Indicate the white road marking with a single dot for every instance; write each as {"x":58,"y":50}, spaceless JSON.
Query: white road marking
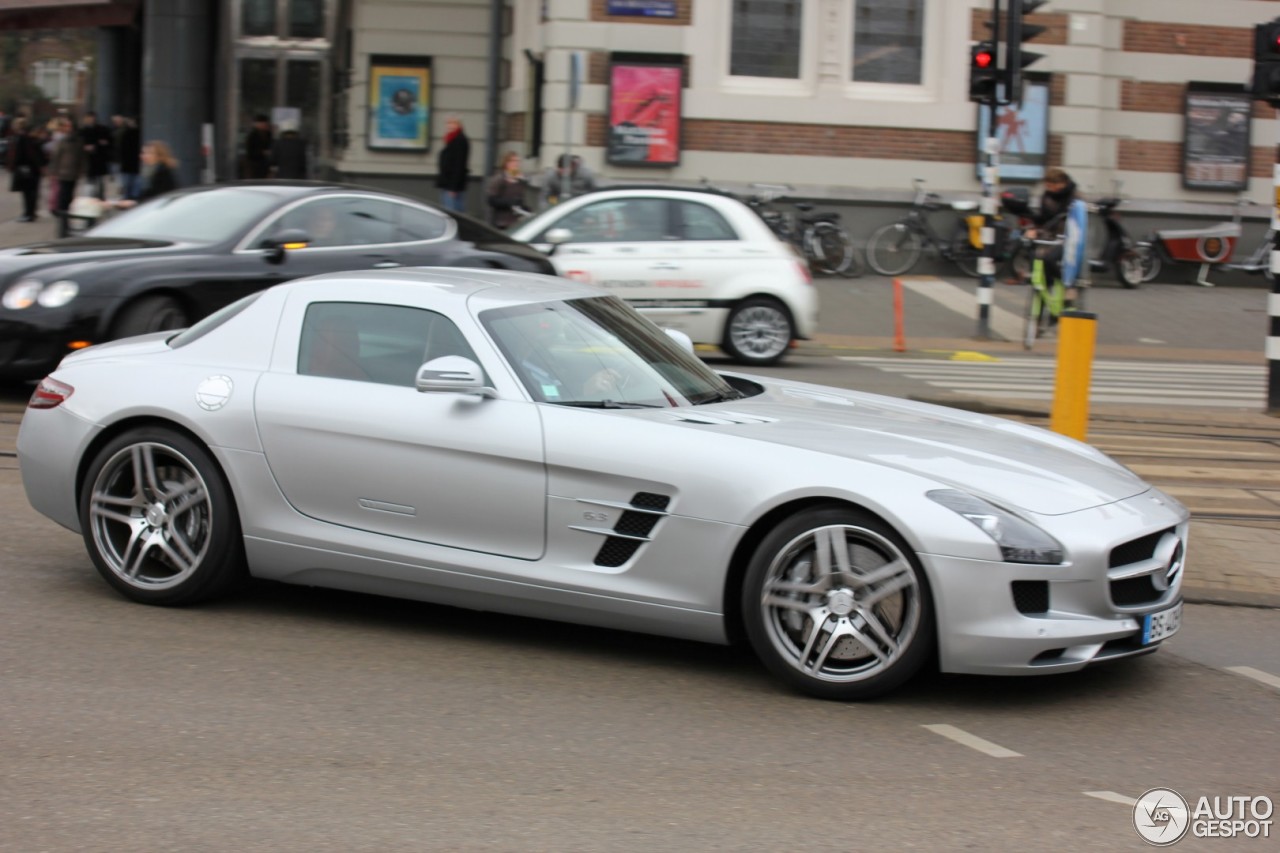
{"x":1257,"y":675}
{"x":973,"y":741}
{"x":1111,"y":797}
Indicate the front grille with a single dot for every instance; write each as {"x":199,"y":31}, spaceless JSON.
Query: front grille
{"x":1138,"y":549}
{"x":1132,"y":592}
{"x":1031,"y":597}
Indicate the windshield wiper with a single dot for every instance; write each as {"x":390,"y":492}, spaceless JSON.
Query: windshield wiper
{"x":721,"y":397}
{"x":605,"y":404}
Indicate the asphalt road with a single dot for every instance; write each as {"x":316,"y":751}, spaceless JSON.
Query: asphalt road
{"x":296,"y":719}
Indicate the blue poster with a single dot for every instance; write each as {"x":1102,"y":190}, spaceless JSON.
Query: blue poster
{"x":643,"y":8}
{"x":1022,"y":132}
{"x":399,"y":106}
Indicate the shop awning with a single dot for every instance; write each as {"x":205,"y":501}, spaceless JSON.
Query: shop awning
{"x":66,"y":14}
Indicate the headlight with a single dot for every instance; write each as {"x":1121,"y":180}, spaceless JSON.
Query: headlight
{"x":1020,"y":541}
{"x":58,"y":294}
{"x":22,"y":295}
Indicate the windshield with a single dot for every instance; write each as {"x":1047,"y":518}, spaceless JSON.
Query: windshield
{"x":600,"y":352}
{"x":201,"y":217}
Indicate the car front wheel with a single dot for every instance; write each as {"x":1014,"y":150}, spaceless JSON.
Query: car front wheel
{"x":837,"y":605}
{"x":759,"y":331}
{"x":159,"y":521}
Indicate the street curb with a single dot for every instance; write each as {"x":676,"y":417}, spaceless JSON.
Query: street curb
{"x":1230,"y":598}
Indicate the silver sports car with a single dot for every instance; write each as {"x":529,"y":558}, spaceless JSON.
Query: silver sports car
{"x":518,"y":443}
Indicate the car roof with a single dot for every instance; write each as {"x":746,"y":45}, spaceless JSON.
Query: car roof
{"x":409,"y":284}
{"x":286,"y":190}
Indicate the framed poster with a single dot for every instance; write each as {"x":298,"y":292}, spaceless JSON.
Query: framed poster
{"x":642,"y":8}
{"x":1215,"y":137}
{"x":1022,"y":131}
{"x":644,"y":114}
{"x":399,"y":103}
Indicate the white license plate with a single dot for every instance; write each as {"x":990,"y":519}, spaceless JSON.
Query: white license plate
{"x":1162,"y":625}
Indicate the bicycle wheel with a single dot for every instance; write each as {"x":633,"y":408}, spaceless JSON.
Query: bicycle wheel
{"x":830,"y":247}
{"x":893,"y":249}
{"x":963,"y":253}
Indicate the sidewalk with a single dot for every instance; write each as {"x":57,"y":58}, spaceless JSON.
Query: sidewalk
{"x":1231,"y":563}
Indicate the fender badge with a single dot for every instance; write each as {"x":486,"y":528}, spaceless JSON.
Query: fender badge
{"x":213,"y":393}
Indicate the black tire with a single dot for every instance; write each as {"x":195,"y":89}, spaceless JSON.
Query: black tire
{"x":857,"y":266}
{"x":759,"y":331}
{"x":876,"y":626}
{"x":159,"y":520}
{"x":148,"y":314}
{"x":894,"y":249}
{"x":830,"y":248}
{"x":963,"y":254}
{"x":1150,"y":261}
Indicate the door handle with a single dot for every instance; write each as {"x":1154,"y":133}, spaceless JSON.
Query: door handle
{"x":664,"y":265}
{"x":386,"y":265}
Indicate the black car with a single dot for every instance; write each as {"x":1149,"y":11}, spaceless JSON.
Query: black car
{"x":169,"y":262}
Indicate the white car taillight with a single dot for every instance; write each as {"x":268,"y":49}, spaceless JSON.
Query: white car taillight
{"x":804,"y":272}
{"x":49,"y":394}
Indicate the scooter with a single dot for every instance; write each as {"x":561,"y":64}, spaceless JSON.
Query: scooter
{"x":1209,"y":246}
{"x":1120,"y":252}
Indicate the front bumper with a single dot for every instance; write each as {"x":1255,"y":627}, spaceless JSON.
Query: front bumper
{"x":1017,"y":619}
{"x":34,"y":340}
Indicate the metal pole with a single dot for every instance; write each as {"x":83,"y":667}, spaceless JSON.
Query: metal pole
{"x":491,"y":89}
{"x":1273,"y":299}
{"x":990,"y":179}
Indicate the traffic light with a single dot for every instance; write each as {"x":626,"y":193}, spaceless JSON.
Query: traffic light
{"x":984,"y":75}
{"x":1266,"y":63}
{"x":1016,"y":58}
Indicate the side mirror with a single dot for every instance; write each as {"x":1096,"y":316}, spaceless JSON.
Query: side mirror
{"x":290,"y":238}
{"x":453,"y":374}
{"x":685,"y":342}
{"x":558,"y":237}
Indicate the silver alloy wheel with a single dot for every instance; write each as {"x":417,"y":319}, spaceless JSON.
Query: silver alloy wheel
{"x":841,"y":603}
{"x":151,"y":516}
{"x":760,"y":331}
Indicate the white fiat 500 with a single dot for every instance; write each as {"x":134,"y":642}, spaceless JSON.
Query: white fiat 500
{"x":695,"y":261}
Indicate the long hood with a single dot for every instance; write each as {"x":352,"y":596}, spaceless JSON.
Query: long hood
{"x":81,"y":250}
{"x":1011,"y":464}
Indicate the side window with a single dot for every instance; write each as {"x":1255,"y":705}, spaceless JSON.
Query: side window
{"x":618,"y":220}
{"x":415,"y":223}
{"x":342,"y":221}
{"x":700,"y":222}
{"x":375,"y":343}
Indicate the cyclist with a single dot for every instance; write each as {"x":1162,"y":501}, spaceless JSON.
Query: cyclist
{"x":1050,"y":222}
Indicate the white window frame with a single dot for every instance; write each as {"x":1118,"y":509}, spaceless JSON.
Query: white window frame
{"x":67,"y":76}
{"x":803,"y":85}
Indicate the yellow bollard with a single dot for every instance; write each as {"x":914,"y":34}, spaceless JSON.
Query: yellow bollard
{"x":1077,"y":331}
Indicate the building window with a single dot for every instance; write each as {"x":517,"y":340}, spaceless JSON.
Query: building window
{"x":57,"y":78}
{"x":293,"y":19}
{"x":766,"y":38}
{"x":888,"y":41}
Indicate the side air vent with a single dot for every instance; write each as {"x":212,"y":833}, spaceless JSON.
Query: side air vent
{"x":632,"y":529}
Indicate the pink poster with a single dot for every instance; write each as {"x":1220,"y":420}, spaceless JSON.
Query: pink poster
{"x":644,"y":115}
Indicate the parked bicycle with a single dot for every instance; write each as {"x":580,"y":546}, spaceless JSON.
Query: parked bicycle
{"x":896,"y":248}
{"x":818,"y":237}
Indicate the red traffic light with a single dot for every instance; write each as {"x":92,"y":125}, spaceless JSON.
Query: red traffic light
{"x":983,"y":59}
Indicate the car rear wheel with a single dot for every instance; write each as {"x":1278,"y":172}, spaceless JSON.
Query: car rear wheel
{"x":759,"y":331}
{"x":151,"y":314}
{"x":159,"y":521}
{"x":837,"y":605}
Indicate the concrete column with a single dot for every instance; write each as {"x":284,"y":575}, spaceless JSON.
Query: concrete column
{"x":177,"y":75}
{"x":117,"y":84}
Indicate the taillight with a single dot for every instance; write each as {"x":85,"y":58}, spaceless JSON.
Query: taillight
{"x":805,"y":273}
{"x":49,"y":393}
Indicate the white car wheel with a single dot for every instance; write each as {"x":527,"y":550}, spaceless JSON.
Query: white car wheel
{"x":836,"y":604}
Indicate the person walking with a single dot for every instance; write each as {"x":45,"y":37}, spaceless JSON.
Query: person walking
{"x":289,"y":156}
{"x":96,"y":140}
{"x":26,"y":162}
{"x":257,"y":148}
{"x":451,"y":167}
{"x":66,"y":164}
{"x":506,"y":193}
{"x":569,"y":178}
{"x":128,"y":148}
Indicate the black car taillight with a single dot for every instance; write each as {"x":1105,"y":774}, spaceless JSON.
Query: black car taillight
{"x":49,"y":394}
